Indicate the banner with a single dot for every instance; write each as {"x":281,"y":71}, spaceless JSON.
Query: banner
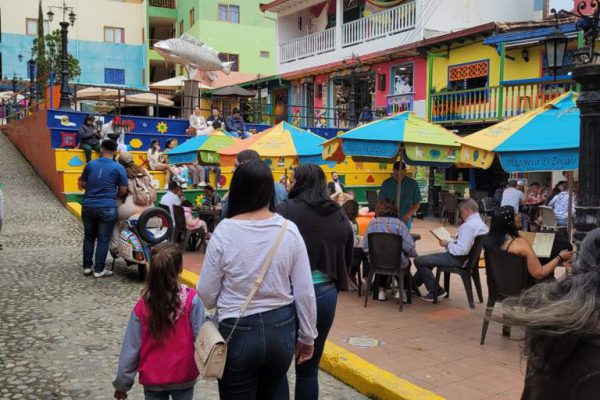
{"x":547,"y":160}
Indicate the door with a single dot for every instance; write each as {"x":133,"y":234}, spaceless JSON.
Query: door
{"x":309,"y":92}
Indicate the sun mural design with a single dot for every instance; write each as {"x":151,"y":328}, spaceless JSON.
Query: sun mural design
{"x":162,"y":127}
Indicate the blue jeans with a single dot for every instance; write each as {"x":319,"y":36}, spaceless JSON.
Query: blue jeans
{"x":217,"y":175}
{"x":243,"y":135}
{"x":181,"y":394}
{"x":307,"y":373}
{"x":258,"y":355}
{"x":98,"y":224}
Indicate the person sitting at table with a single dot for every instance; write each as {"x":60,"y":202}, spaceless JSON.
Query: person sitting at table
{"x":387,"y":221}
{"x":410,"y":195}
{"x":192,"y":222}
{"x":504,"y":236}
{"x":172,"y":197}
{"x":235,"y":125}
{"x":457,"y":251}
{"x":350,"y":208}
{"x":211,"y":198}
{"x":198,"y":123}
{"x":513,"y":197}
{"x":560,"y":205}
{"x":534,"y":195}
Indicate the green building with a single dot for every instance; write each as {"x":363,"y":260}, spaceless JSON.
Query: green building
{"x":236,"y":28}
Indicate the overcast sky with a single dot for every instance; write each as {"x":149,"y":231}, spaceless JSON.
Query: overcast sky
{"x":561,"y":4}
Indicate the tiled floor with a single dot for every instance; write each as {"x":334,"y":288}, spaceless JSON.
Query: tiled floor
{"x":433,"y":346}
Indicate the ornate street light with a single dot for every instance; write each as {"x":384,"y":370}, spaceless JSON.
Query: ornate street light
{"x":555,"y":45}
{"x":587,"y":75}
{"x":65,"y":102}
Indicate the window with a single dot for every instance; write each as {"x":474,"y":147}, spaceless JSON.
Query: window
{"x":229,"y":13}
{"x":181,"y":27}
{"x":114,"y":35}
{"x":32,"y":25}
{"x":231,"y":57}
{"x":568,"y":64}
{"x":471,"y":75}
{"x":403,"y":79}
{"x":192,"y":21}
{"x":114,"y":76}
{"x":265,"y":54}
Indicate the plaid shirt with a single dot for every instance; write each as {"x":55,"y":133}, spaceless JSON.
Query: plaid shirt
{"x":396,"y":226}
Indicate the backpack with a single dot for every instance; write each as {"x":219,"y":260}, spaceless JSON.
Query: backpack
{"x":142,"y":190}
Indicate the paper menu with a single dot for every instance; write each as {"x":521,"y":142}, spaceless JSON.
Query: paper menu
{"x":442,"y":234}
{"x":540,"y":241}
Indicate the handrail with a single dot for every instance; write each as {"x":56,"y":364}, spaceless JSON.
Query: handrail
{"x":306,"y":46}
{"x":163,"y":3}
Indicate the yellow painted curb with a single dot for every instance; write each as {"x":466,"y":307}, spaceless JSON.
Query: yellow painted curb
{"x":357,"y":372}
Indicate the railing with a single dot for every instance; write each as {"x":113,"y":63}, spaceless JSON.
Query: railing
{"x":494,"y":103}
{"x":163,"y":3}
{"x":307,"y":46}
{"x":399,"y":103}
{"x":383,"y":23}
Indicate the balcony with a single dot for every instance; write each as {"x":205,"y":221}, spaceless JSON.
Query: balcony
{"x":397,"y":103}
{"x":307,"y":46}
{"x":492,"y":104}
{"x":163,"y":3}
{"x":376,"y":32}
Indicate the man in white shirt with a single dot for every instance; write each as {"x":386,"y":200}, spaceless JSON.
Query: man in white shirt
{"x":514,"y":197}
{"x":172,"y":198}
{"x":457,"y":251}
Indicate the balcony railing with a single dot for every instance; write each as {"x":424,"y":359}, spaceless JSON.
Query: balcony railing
{"x":399,"y":103}
{"x":313,"y":44}
{"x":383,"y":23}
{"x":163,"y":3}
{"x":494,"y":103}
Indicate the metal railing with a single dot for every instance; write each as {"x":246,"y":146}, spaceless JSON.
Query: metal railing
{"x":494,"y":103}
{"x":399,"y":103}
{"x":310,"y":45}
{"x":163,"y":3}
{"x":380,"y":24}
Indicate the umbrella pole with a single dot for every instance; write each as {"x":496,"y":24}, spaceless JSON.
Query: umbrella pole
{"x":399,"y":183}
{"x":570,"y":210}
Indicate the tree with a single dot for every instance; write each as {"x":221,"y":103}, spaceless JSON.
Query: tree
{"x":52,"y":56}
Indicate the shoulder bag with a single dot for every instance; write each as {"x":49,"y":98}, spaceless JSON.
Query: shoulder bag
{"x":211,"y":348}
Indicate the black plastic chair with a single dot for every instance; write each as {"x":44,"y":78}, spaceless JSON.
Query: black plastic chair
{"x":385,"y":258}
{"x":506,"y":277}
{"x":468,"y":273}
{"x":372,"y":199}
{"x":449,"y":208}
{"x":182,"y":234}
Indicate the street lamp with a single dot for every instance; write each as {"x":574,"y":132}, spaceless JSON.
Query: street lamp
{"x":555,"y":45}
{"x":65,"y":102}
{"x":587,"y":75}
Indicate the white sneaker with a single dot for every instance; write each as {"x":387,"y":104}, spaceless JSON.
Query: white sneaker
{"x":381,"y":296}
{"x":397,"y":296}
{"x":104,"y":274}
{"x":184,"y":185}
{"x":87,"y":271}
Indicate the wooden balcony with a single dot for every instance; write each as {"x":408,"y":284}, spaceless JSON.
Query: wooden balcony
{"x":491,"y":104}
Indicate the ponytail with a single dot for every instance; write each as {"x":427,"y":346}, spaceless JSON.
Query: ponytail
{"x":161,"y":291}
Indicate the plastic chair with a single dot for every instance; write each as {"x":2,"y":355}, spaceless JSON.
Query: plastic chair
{"x":470,"y":271}
{"x":449,"y":207}
{"x":549,"y":219}
{"x":372,"y":199}
{"x":182,"y":234}
{"x":385,"y":258}
{"x":506,"y":277}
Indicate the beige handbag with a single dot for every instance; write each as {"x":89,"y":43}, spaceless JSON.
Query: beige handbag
{"x":211,"y":348}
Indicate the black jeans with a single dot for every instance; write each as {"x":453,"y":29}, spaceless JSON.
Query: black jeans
{"x":259,"y":354}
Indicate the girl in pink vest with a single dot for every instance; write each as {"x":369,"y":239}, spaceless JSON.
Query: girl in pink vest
{"x":160,"y":335}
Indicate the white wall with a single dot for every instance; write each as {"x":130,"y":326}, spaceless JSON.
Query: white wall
{"x":92,"y":17}
{"x":288,"y":26}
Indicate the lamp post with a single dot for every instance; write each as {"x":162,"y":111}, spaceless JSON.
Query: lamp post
{"x":587,"y":75}
{"x":65,"y":102}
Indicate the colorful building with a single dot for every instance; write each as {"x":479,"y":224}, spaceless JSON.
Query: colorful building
{"x":236,"y":28}
{"x":108,"y":44}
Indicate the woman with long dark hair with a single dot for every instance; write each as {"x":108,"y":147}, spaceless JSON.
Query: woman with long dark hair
{"x":330,"y":244}
{"x":504,"y":236}
{"x":263,"y":344}
{"x":157,"y":162}
{"x":561,"y":319}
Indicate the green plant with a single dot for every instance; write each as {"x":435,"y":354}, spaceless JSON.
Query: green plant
{"x":50,"y":46}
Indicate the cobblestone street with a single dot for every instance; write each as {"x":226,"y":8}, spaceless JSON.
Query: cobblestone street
{"x":60,"y":332}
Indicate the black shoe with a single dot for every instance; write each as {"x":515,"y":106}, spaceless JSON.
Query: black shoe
{"x":429,"y":296}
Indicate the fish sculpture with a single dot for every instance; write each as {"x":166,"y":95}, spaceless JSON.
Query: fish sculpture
{"x":194,"y":54}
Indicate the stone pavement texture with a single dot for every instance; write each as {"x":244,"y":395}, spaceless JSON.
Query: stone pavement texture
{"x":434,"y":346}
{"x":60,"y":332}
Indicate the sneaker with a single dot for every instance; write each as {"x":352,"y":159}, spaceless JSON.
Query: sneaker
{"x":397,"y":296}
{"x":104,"y":274}
{"x":184,"y":185}
{"x":87,"y":271}
{"x":201,"y":184}
{"x":429,"y":296}
{"x":381,"y":296}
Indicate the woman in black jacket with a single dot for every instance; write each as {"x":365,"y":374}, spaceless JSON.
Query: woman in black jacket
{"x":330,"y":245}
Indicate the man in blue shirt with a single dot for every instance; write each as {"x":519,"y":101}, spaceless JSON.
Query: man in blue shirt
{"x":103,"y":180}
{"x":410,"y":194}
{"x":235,"y":125}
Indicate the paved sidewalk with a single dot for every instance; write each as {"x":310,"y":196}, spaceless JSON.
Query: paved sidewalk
{"x":60,"y":332}
{"x":433,"y":346}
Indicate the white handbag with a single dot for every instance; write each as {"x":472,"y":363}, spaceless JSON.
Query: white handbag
{"x":211,"y":348}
